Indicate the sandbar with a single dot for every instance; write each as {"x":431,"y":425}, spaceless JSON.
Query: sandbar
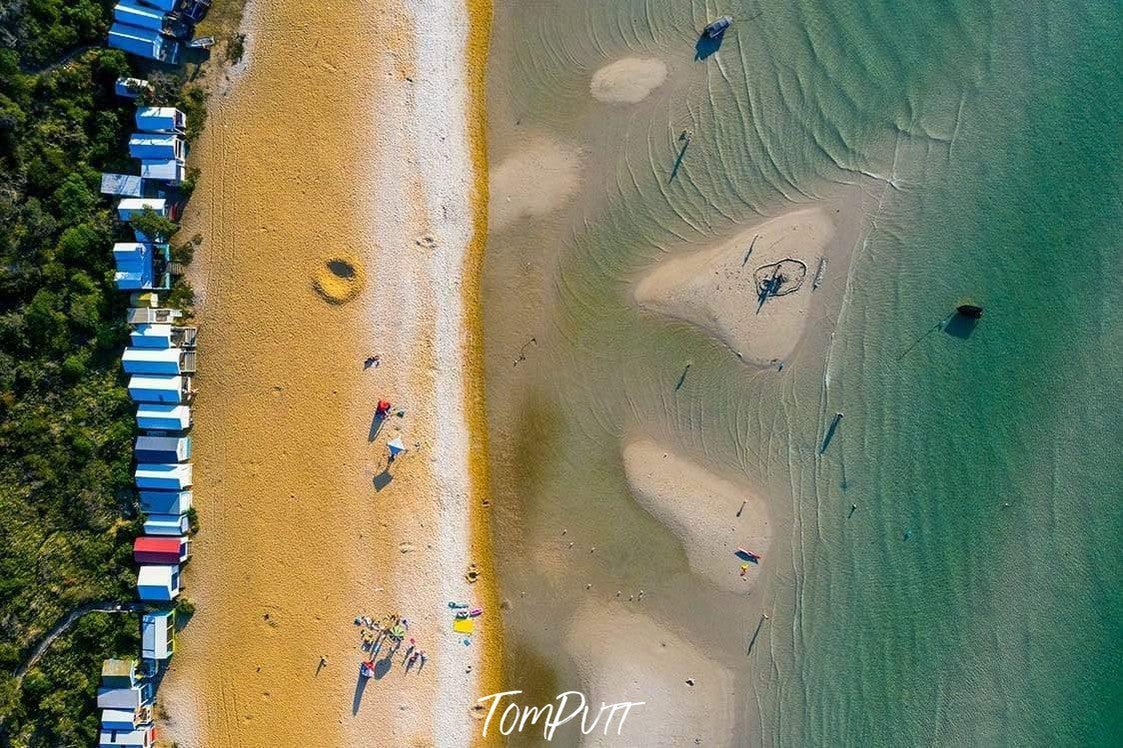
{"x":701,"y":509}
{"x":719,"y":288}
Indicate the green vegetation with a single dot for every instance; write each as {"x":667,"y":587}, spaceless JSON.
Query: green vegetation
{"x":68,"y":510}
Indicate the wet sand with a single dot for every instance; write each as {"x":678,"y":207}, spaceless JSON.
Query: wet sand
{"x":304,"y":524}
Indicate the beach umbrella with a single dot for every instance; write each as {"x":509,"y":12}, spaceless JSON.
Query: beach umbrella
{"x":396,"y":446}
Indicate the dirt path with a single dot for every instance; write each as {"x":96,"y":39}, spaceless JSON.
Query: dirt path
{"x":70,"y":619}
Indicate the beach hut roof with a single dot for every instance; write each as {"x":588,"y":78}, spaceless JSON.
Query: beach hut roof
{"x":163,"y":169}
{"x":138,"y":15}
{"x":165,"y":475}
{"x":165,"y":502}
{"x":160,"y":388}
{"x":129,"y":205}
{"x":141,"y":736}
{"x":147,"y":544}
{"x":163,"y":416}
{"x":151,"y":355}
{"x":119,"y":668}
{"x":160,"y":119}
{"x":122,"y":184}
{"x":130,"y":697}
{"x":172,"y":525}
{"x":151,"y":336}
{"x":158,"y":582}
{"x":157,"y":632}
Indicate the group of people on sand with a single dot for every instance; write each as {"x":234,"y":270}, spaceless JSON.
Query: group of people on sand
{"x":389,"y":631}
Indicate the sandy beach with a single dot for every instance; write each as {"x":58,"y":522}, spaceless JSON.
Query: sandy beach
{"x":339,"y":206}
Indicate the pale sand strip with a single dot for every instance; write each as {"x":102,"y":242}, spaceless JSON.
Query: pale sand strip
{"x":324,"y":149}
{"x":623,"y":655}
{"x":715,"y":288}
{"x":703,"y":511}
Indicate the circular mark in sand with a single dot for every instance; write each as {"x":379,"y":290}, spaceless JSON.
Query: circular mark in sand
{"x":628,"y":81}
{"x":339,"y":279}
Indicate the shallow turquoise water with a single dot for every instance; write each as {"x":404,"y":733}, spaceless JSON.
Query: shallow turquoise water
{"x":987,"y":142}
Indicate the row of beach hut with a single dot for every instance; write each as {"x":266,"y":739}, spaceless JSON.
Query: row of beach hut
{"x":160,"y":363}
{"x":139,"y":29}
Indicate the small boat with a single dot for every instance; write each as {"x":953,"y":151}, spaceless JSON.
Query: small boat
{"x":714,"y":29}
{"x":970,"y":311}
{"x":456,"y":606}
{"x":203,"y":42}
{"x":476,"y":612}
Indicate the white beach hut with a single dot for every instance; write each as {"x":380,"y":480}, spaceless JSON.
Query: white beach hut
{"x":157,"y":635}
{"x":150,"y":448}
{"x":125,"y":719}
{"x":160,"y":119}
{"x":158,"y":389}
{"x":129,"y":698}
{"x":130,"y":88}
{"x":159,"y":583}
{"x":163,"y":476}
{"x":163,"y":417}
{"x":146,"y":43}
{"x":166,"y":525}
{"x":127,"y":207}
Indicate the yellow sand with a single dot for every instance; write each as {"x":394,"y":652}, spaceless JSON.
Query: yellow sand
{"x":297,"y":539}
{"x":715,"y":287}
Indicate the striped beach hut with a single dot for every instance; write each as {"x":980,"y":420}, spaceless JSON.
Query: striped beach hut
{"x":163,"y":476}
{"x":163,"y":417}
{"x":158,"y":389}
{"x":158,"y":583}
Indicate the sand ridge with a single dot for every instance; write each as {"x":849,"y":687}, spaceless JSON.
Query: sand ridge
{"x":628,"y":81}
{"x":532,"y":182}
{"x":703,"y":510}
{"x":689,"y":696}
{"x":717,"y":288}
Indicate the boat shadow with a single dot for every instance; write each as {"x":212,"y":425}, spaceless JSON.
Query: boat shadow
{"x":960,"y":326}
{"x":707,"y":45}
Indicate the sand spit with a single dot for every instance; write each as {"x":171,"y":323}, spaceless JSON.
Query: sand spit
{"x":305,"y":525}
{"x":532,"y":182}
{"x":702,"y":510}
{"x":718,"y":288}
{"x":628,"y":81}
{"x":622,"y":655}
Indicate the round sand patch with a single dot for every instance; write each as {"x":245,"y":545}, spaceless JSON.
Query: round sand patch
{"x":628,"y":81}
{"x":339,"y":279}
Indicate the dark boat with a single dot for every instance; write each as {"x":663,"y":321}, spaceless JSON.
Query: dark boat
{"x":970,"y":311}
{"x":714,"y":29}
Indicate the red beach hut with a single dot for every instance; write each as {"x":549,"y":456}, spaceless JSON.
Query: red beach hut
{"x":160,"y":550}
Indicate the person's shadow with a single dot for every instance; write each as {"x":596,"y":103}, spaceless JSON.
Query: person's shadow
{"x":358,"y":699}
{"x":707,"y":45}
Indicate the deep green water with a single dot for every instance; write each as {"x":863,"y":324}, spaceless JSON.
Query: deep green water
{"x":987,"y":140}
